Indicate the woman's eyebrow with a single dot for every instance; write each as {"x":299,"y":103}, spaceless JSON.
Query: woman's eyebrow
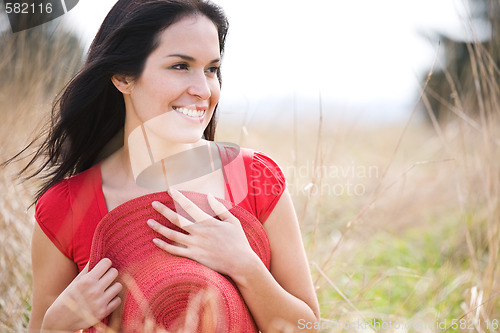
{"x":189,"y":58}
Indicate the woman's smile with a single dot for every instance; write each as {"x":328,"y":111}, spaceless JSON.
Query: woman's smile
{"x":191,"y":111}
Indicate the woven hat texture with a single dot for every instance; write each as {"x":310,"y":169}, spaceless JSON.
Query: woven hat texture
{"x":164,"y":292}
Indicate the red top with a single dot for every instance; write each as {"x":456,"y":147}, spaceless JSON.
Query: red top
{"x":69,"y":211}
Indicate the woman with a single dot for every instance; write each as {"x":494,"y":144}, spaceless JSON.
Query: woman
{"x":154,"y":62}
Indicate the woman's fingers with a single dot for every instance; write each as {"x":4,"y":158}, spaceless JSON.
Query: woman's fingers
{"x":91,"y":296}
{"x":175,"y":236}
{"x":105,"y":276}
{"x":199,"y":237}
{"x":210,"y":242}
{"x":113,"y":290}
{"x":191,"y":208}
{"x":219,"y":209}
{"x":109,"y":277}
{"x":100,"y":268}
{"x":172,"y":249}
{"x":172,"y":216}
{"x":113,"y":305}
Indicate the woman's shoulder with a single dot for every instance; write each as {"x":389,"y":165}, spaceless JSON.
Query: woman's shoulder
{"x":80,"y":179}
{"x":251,"y":157}
{"x":256,"y":180}
{"x":57,"y":212}
{"x":58,"y":198}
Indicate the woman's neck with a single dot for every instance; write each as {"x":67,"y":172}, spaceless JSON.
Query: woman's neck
{"x":148,"y":156}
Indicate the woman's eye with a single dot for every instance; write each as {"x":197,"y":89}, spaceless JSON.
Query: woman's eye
{"x":181,"y":66}
{"x":212,"y":70}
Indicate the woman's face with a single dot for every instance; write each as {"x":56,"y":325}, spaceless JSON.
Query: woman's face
{"x":178,"y":90}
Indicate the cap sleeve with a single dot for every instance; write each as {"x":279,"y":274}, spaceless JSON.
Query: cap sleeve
{"x":267,"y":184}
{"x":54,"y":215}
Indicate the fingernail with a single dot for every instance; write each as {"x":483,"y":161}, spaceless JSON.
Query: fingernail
{"x":151,"y":223}
{"x":155,"y":204}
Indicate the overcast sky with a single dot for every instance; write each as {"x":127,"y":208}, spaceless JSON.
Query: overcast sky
{"x":361,"y":54}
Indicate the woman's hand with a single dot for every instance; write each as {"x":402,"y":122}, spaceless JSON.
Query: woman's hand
{"x":88,"y":299}
{"x":218,"y":245}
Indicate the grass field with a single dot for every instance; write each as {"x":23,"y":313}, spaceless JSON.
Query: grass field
{"x":401,"y":223}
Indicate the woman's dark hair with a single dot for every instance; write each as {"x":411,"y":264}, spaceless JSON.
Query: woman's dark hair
{"x":90,"y":112}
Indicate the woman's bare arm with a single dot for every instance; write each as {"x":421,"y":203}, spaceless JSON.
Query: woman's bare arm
{"x":64,"y":300}
{"x":52,"y":273}
{"x":285,"y":297}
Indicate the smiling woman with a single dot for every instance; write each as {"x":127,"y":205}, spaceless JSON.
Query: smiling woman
{"x":188,"y":248}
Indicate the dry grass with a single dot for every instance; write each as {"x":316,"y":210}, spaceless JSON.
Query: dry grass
{"x":400,"y":224}
{"x":27,"y":87}
{"x":414,"y":246}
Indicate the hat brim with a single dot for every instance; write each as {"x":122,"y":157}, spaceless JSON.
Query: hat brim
{"x":160,"y":288}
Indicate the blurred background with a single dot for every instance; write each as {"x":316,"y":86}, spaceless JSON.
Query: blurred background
{"x":384,"y":117}
{"x":366,"y":58}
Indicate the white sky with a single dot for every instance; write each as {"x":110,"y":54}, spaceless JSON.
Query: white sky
{"x":358,"y":53}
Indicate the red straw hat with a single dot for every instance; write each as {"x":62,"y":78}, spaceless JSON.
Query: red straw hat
{"x":166,"y":292}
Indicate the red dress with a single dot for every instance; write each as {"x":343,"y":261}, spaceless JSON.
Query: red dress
{"x":69,"y":211}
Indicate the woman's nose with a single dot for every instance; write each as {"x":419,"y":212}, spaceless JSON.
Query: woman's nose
{"x":199,"y":86}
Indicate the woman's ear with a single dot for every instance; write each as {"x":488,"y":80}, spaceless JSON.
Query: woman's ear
{"x":123,"y":83}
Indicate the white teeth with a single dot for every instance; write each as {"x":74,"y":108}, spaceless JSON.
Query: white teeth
{"x":190,"y":113}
